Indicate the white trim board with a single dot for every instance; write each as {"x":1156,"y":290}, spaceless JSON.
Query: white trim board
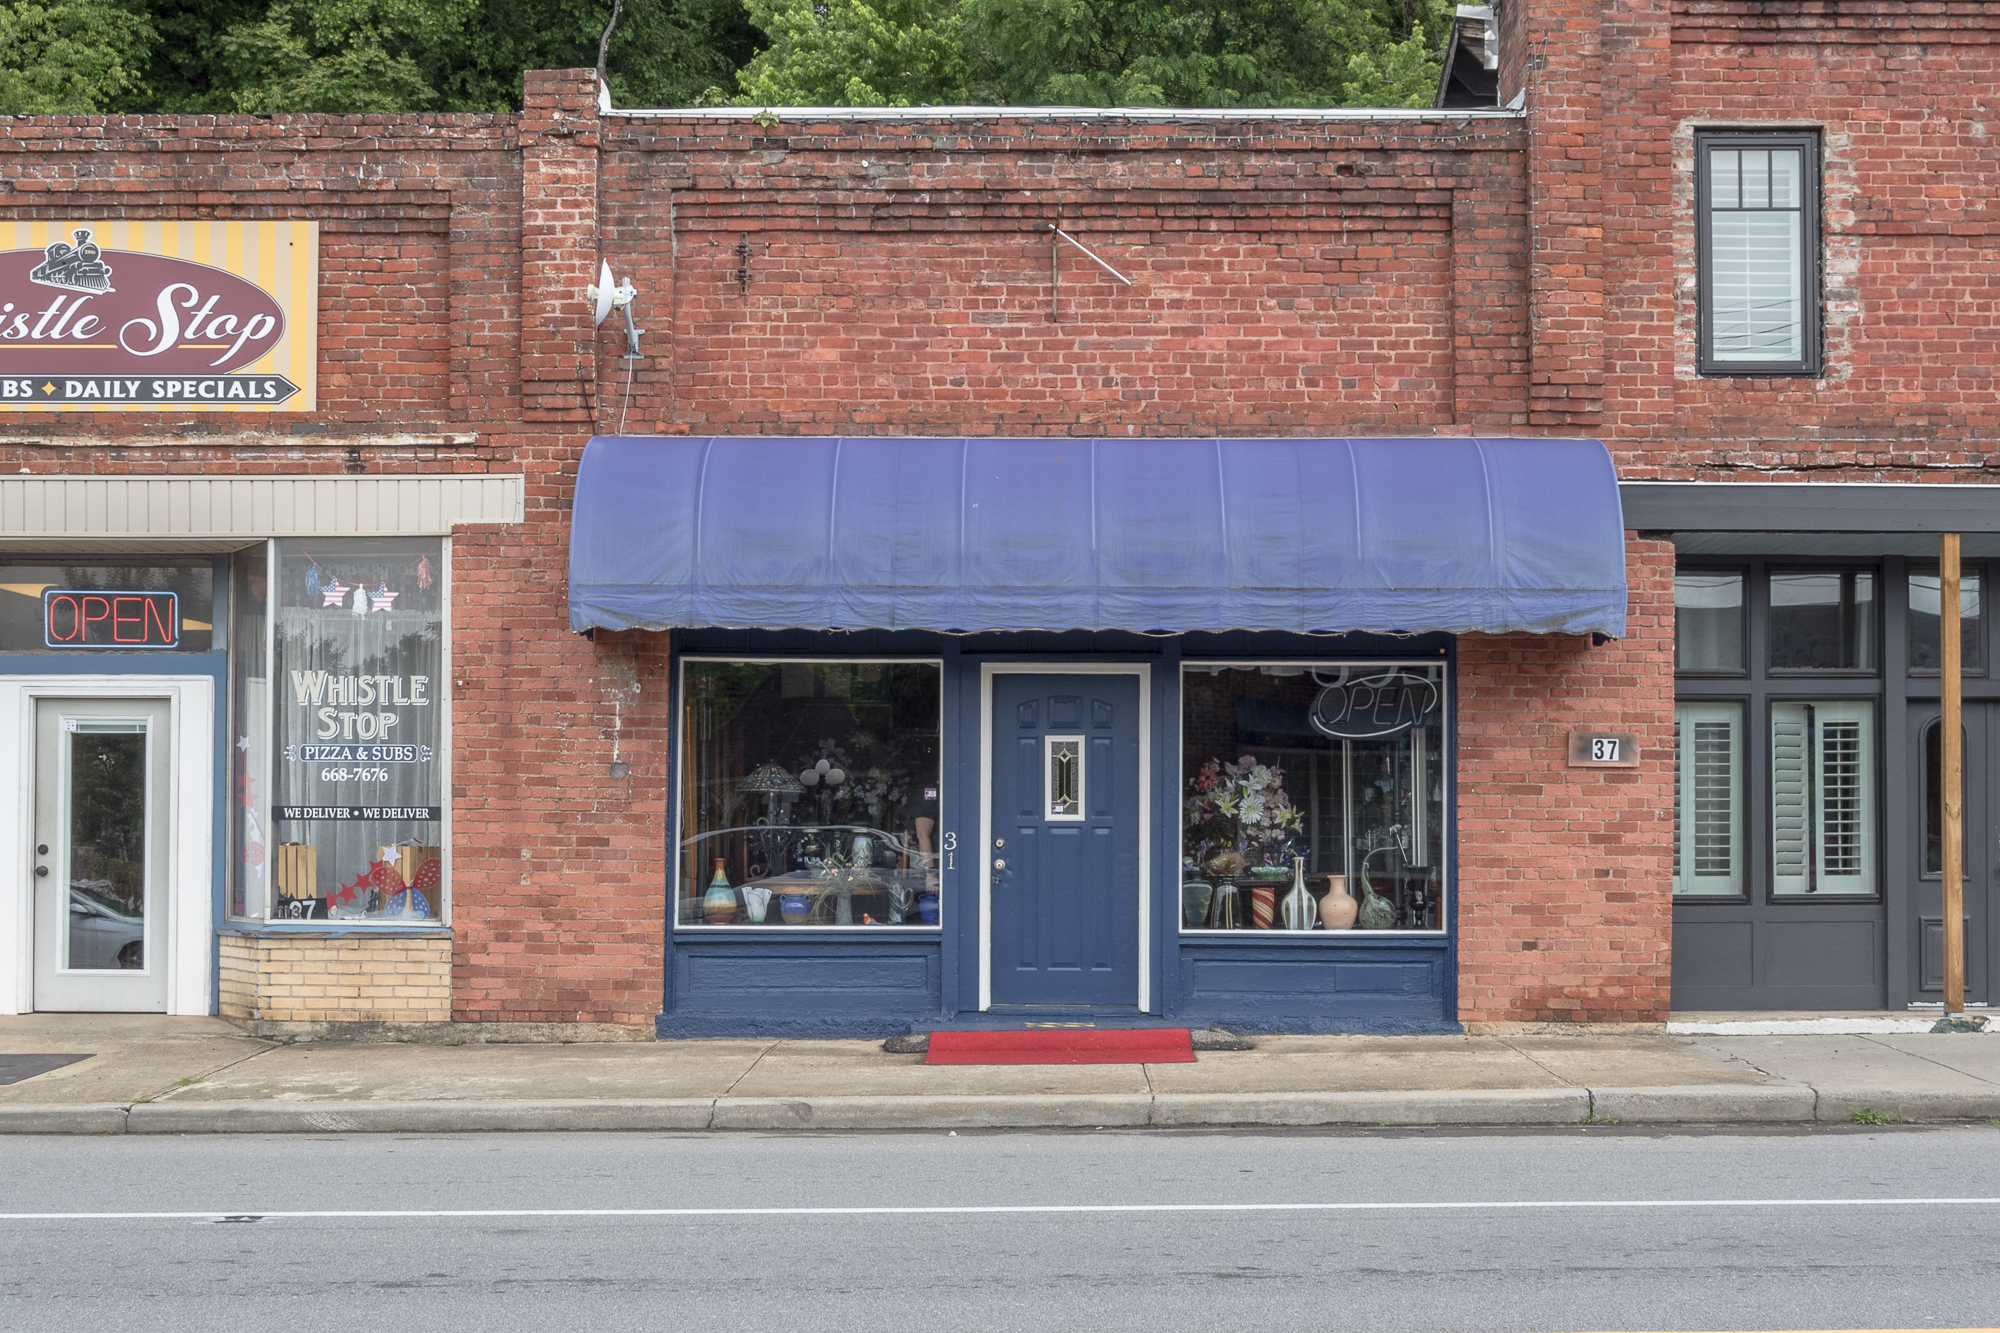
{"x":190,"y":916}
{"x":1144,"y":671}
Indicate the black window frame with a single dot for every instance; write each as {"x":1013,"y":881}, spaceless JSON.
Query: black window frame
{"x":1760,"y":686}
{"x":1810,"y":364}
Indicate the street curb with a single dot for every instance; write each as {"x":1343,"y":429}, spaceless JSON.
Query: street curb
{"x":63,"y":1118}
{"x":998,"y":1111}
{"x":1463,"y":1106}
{"x":416,"y":1117}
{"x":1898,"y":1104}
{"x":1711,"y":1103}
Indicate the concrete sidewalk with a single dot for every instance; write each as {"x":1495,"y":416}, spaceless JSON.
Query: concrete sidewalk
{"x":159,"y":1075}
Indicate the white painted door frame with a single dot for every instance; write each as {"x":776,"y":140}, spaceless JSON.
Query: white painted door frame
{"x":189,"y":916}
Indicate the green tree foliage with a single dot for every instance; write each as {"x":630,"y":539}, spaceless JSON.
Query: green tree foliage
{"x":70,"y":57}
{"x":855,"y":53}
{"x":468,"y":55}
{"x":1198,"y":53}
{"x":423,"y":55}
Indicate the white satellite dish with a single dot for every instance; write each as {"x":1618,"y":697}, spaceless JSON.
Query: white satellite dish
{"x":606,"y":296}
{"x":603,"y":296}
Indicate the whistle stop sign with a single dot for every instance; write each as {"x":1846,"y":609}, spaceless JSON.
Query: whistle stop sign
{"x":87,"y":618}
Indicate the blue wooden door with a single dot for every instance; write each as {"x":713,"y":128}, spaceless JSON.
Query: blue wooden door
{"x":1064,"y":882}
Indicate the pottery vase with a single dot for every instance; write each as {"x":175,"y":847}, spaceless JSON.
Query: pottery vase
{"x":794,"y":908}
{"x":1226,"y":914}
{"x":1298,"y":910}
{"x":927,"y":908}
{"x":1376,"y":912}
{"x":1263,"y":906}
{"x":1337,"y":907}
{"x":718,"y":905}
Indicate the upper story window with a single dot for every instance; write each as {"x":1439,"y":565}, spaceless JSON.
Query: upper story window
{"x":1757,"y":246}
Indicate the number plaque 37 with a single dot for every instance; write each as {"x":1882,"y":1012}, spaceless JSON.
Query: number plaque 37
{"x":1603,"y":749}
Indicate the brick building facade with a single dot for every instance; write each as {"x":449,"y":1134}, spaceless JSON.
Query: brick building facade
{"x":1528,"y":274}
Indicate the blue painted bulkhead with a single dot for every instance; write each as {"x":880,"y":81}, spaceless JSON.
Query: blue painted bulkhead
{"x":860,"y":983}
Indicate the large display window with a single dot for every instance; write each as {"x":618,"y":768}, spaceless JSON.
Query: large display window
{"x":339,"y":703}
{"x":809,"y":794}
{"x":1313,"y":796}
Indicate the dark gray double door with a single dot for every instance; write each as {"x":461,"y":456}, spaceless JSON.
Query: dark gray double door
{"x":1921,"y":881}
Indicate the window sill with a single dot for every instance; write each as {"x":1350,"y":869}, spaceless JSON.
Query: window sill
{"x":384,"y":930}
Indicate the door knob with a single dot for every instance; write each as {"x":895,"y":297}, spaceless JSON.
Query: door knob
{"x":41,"y":871}
{"x":999,"y":865}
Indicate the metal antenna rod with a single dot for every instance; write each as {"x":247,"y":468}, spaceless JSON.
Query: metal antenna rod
{"x":1087,"y":250}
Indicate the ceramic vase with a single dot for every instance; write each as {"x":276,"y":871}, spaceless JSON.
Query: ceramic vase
{"x":1298,"y":910}
{"x":1226,"y":914}
{"x":1337,"y":907}
{"x":1263,"y":906}
{"x":794,"y":907}
{"x":719,"y":903}
{"x":927,"y":908}
{"x":756,"y":902}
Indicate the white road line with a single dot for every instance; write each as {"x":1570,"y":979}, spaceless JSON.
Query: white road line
{"x":1467,"y":1205}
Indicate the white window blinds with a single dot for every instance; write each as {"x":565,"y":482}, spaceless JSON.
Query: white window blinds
{"x":1823,"y":814}
{"x":1756,"y":254}
{"x":1708,"y":798}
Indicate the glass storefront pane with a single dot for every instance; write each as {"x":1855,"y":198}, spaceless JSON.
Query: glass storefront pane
{"x":809,"y":794}
{"x":1340,"y":766}
{"x":357,"y":818}
{"x":1708,"y":798}
{"x":1708,"y":621}
{"x":250,"y":736}
{"x":1823,"y":620}
{"x":1824,"y":812}
{"x":107,"y":843}
{"x":1926,"y":604}
{"x":84,"y":607}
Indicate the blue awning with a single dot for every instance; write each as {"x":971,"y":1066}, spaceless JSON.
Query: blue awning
{"x":1395,"y":535}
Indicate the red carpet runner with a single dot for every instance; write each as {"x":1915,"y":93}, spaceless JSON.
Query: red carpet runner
{"x":1063,"y":1046}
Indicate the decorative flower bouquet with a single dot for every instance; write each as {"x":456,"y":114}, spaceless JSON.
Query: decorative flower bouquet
{"x":1240,"y":807}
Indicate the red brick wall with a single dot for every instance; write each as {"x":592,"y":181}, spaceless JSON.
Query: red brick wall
{"x":1565,"y":874}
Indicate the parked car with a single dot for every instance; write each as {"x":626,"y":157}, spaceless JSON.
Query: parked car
{"x":101,"y":936}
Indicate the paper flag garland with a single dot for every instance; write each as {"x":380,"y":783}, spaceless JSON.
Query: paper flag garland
{"x":383,"y":599}
{"x":334,"y":592}
{"x":423,"y":571}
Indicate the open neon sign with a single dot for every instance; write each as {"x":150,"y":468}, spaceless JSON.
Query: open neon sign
{"x":87,"y":618}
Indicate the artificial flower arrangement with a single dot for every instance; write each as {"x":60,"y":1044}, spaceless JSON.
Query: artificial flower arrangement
{"x":1240,"y":807}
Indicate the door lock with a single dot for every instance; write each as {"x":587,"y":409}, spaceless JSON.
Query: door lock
{"x":999,"y":865}
{"x":40,"y":871}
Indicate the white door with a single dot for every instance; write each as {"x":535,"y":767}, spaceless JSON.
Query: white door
{"x":100,"y":865}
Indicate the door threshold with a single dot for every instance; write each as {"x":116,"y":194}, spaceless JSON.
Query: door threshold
{"x":1017,"y":1017}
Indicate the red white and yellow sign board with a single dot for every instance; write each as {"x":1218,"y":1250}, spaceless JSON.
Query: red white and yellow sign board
{"x":120,"y":315}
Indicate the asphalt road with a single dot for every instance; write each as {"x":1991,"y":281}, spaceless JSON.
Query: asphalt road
{"x":1584,"y":1229}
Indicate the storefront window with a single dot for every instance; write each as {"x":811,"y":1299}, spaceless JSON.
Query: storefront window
{"x":352,"y":825}
{"x":1926,"y":602}
{"x":1329,"y":775}
{"x":1708,"y":621}
{"x":1823,"y":620}
{"x":809,"y":794}
{"x":85,"y":607}
{"x":1708,"y":798}
{"x":250,"y":732}
{"x":1823,"y":805}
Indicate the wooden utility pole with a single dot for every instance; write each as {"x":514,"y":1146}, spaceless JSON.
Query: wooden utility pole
{"x":1952,"y":779}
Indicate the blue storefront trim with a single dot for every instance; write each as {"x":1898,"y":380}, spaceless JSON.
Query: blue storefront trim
{"x":866,"y":983}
